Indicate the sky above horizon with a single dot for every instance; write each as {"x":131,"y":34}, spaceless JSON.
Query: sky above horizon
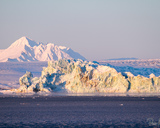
{"x":97,"y":29}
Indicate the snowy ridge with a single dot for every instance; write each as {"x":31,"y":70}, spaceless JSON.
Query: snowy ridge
{"x":123,"y":59}
{"x":25,"y":49}
{"x":1,"y":50}
{"x":140,"y":63}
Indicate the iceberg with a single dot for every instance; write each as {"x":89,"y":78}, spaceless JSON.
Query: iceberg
{"x":78,"y":76}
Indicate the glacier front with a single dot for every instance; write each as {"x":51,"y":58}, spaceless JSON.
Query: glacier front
{"x":77,"y":76}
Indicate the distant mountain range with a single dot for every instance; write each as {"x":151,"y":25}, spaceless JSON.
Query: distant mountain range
{"x":123,"y":59}
{"x":25,"y":49}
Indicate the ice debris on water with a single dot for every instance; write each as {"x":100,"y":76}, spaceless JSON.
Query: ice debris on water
{"x":77,"y":76}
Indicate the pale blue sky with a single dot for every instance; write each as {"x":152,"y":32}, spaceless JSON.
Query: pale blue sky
{"x":97,"y":29}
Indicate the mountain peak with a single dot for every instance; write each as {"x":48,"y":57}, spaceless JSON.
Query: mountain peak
{"x":25,"y":49}
{"x":24,"y":41}
{"x":25,"y":38}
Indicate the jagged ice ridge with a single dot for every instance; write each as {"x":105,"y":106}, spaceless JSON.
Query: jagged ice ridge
{"x":77,"y":76}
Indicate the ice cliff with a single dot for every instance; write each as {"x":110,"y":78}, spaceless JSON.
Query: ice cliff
{"x":77,"y":76}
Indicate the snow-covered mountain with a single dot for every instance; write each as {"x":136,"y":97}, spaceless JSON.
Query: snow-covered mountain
{"x":25,"y":49}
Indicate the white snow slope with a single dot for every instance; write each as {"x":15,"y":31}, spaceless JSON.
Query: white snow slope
{"x":25,"y":49}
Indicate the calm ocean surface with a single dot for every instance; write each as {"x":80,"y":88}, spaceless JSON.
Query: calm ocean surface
{"x":80,"y":111}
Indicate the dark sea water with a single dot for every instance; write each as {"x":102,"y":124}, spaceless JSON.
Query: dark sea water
{"x":79,"y":111}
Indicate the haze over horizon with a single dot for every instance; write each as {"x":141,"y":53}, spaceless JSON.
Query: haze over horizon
{"x":96,"y":29}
